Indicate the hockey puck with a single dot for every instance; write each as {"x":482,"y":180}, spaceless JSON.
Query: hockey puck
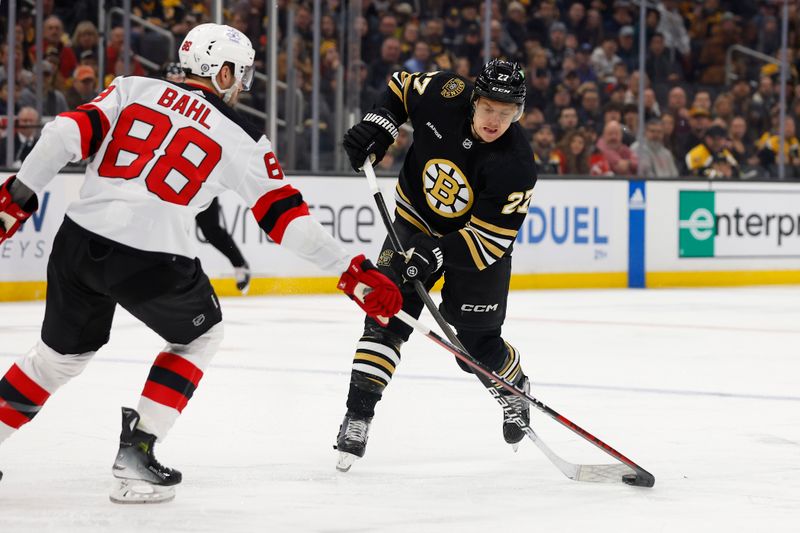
{"x":639,"y":480}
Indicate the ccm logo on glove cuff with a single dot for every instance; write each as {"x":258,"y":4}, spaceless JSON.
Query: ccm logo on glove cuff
{"x":383,"y":122}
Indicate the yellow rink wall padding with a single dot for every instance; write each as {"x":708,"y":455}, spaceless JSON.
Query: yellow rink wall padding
{"x":35,"y":290}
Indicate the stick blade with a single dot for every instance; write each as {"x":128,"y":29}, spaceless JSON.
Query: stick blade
{"x":639,"y":479}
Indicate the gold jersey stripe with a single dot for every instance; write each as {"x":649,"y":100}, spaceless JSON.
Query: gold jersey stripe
{"x":361,"y":356}
{"x":491,"y":227}
{"x":489,"y":246}
{"x":396,"y":91}
{"x":476,"y":257}
{"x":376,"y":380}
{"x":410,"y":218}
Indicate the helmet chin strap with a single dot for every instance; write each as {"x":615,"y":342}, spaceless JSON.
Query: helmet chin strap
{"x":226,"y":94}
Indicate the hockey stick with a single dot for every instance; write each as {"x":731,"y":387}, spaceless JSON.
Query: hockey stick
{"x":629,"y":472}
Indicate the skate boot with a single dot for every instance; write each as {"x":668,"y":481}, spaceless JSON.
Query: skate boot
{"x":352,"y":440}
{"x":138,"y":476}
{"x":242,"y":275}
{"x":511,"y":431}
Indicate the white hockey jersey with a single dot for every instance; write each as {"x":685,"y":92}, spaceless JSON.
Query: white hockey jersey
{"x":162,"y":152}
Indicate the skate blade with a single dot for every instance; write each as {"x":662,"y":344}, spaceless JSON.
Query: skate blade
{"x":515,"y":447}
{"x":345,"y":461}
{"x":135,"y":491}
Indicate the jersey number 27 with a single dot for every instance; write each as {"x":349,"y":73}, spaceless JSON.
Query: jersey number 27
{"x":189,"y":157}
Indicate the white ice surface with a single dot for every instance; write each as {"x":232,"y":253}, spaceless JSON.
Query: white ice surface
{"x":701,"y":387}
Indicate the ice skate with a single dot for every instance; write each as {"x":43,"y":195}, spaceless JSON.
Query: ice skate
{"x":352,"y":440}
{"x":242,"y":275}
{"x":138,"y":476}
{"x":511,"y":431}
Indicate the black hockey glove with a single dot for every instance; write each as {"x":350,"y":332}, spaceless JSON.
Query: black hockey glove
{"x":423,"y":258}
{"x":372,"y":136}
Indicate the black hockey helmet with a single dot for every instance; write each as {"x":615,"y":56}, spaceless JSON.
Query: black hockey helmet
{"x":500,"y":80}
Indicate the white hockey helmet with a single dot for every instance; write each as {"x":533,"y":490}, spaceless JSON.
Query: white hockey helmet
{"x":209,"y":46}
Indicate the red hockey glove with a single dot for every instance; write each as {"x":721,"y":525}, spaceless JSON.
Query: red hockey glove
{"x":371,"y":290}
{"x":12,"y":215}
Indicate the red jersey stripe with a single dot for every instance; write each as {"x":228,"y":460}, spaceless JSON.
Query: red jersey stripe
{"x":26,"y":386}
{"x":85,"y":127}
{"x":164,"y":395}
{"x":179,"y":365}
{"x":265,"y":202}
{"x":10,"y":416}
{"x":280,"y":225}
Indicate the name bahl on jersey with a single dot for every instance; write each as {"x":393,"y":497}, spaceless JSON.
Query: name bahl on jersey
{"x":473,"y":194}
{"x":162,"y":152}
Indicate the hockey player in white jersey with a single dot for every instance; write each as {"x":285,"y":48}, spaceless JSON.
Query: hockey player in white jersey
{"x":162,"y":152}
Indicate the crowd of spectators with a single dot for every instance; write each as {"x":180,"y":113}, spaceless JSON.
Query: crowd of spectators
{"x":581,"y":60}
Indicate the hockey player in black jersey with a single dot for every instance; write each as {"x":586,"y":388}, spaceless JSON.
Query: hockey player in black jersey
{"x":462,"y":194}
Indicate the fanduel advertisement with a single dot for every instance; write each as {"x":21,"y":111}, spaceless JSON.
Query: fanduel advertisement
{"x":745,"y":224}
{"x":574,"y":226}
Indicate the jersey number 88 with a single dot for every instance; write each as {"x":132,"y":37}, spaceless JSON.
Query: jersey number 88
{"x":143,"y":146}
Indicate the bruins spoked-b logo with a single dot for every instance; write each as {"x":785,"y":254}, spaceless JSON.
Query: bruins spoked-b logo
{"x":446,"y":189}
{"x":452,"y":88}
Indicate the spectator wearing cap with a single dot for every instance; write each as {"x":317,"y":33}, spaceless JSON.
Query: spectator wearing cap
{"x":769,"y":148}
{"x":557,"y":49}
{"x":545,"y":156}
{"x":627,"y":49}
{"x":515,"y":24}
{"x":655,"y":160}
{"x":573,"y":82}
{"x":710,"y":158}
{"x":83,"y":88}
{"x":699,"y":123}
{"x":53,"y":100}
{"x":621,"y":158}
{"x":26,"y":134}
{"x":604,"y":58}
{"x":53,"y":36}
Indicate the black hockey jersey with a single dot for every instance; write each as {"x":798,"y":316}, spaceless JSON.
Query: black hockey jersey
{"x":473,"y":195}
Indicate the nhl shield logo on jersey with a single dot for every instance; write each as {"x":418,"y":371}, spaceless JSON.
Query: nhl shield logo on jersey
{"x":446,"y":189}
{"x":452,"y":88}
